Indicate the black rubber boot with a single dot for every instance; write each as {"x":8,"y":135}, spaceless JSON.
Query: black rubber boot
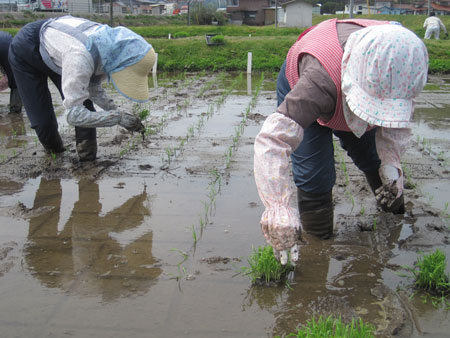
{"x":374,"y":180}
{"x":86,"y":141}
{"x":316,"y":213}
{"x":15,"y":102}
{"x":50,"y":139}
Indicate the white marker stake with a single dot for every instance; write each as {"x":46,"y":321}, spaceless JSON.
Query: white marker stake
{"x":170,"y":36}
{"x":249,"y":63}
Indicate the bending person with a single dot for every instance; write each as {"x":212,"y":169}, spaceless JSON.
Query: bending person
{"x":355,"y":79}
{"x":433,"y":26}
{"x":77,"y":55}
{"x":7,"y":81}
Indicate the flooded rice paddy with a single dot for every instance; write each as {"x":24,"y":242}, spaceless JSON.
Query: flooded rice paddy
{"x":149,"y":240}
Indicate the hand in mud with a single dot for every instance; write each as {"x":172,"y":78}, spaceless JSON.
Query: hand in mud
{"x":131,"y":123}
{"x":387,"y":193}
{"x":283,"y":238}
{"x":390,"y":194}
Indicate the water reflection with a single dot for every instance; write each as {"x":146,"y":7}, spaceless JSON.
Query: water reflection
{"x":83,"y":257}
{"x":12,"y":126}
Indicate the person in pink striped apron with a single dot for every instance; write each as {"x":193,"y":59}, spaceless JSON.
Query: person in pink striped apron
{"x":355,"y":79}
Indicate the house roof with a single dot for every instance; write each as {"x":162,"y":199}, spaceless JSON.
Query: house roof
{"x":309,"y":2}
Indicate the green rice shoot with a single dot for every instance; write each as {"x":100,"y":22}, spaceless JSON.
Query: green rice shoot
{"x":429,"y":273}
{"x":333,"y":327}
{"x":264,"y":267}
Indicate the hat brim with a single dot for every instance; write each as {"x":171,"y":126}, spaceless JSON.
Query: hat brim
{"x":383,"y":112}
{"x":132,"y":82}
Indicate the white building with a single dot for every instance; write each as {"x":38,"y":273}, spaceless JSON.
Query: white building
{"x":297,"y":14}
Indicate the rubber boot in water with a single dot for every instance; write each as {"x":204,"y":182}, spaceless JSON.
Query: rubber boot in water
{"x":86,"y":140}
{"x":15,"y":102}
{"x":374,"y":180}
{"x":316,"y":213}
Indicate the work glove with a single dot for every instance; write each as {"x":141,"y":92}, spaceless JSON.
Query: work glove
{"x":131,"y":122}
{"x":390,"y":194}
{"x":282,"y":232}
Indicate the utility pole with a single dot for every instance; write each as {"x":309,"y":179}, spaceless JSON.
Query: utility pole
{"x":276,"y":13}
{"x":111,"y":12}
{"x":189,"y":12}
{"x":351,"y":9}
{"x":429,"y":7}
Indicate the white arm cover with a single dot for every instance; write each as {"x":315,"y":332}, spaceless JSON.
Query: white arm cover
{"x":80,"y":116}
{"x":98,"y":95}
{"x":391,"y":145}
{"x":279,"y":136}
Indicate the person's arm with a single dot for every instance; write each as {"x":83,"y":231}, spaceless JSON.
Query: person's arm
{"x":77,"y":69}
{"x":98,"y":95}
{"x":280,"y":222}
{"x":391,"y":144}
{"x":425,"y":24}
{"x":313,"y":96}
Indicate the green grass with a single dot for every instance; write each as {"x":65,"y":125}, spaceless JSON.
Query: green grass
{"x":429,"y":273}
{"x":264,"y":267}
{"x":269,"y":45}
{"x":333,"y":327}
{"x":193,"y":54}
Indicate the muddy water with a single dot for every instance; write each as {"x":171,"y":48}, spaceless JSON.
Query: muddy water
{"x":148,"y":241}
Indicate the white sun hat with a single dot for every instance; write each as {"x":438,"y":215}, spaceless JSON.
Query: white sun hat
{"x":383,"y":68}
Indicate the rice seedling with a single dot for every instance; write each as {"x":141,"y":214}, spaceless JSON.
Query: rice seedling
{"x":334,"y":327}
{"x":362,"y":211}
{"x":264,"y":268}
{"x":407,"y":174}
{"x":429,"y":273}
{"x":352,"y":199}
{"x":194,"y":236}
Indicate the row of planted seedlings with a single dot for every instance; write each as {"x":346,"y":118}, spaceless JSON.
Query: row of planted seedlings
{"x":14,"y":144}
{"x":195,"y":128}
{"x":425,"y":147}
{"x":155,"y":129}
{"x":217,"y":176}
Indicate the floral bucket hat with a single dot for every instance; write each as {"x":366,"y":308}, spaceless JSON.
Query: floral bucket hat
{"x":383,"y":68}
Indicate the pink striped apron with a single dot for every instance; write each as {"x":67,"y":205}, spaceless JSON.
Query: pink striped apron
{"x":329,"y":55}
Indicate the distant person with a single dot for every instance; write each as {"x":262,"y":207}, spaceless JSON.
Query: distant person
{"x":433,"y":25}
{"x":78,"y":55}
{"x":7,"y":80}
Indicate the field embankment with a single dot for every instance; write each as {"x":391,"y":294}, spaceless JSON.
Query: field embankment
{"x":186,"y":50}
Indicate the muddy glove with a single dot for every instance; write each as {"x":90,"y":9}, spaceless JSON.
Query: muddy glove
{"x":283,"y":255}
{"x":131,"y":123}
{"x":390,"y":194}
{"x":80,"y":116}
